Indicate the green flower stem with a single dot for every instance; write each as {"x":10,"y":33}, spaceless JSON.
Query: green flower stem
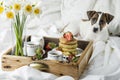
{"x":18,"y":29}
{"x":18,"y":42}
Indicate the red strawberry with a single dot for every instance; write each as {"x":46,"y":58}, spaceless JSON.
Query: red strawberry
{"x":70,"y":57}
{"x":47,"y":47}
{"x":68,"y":36}
{"x":50,"y":45}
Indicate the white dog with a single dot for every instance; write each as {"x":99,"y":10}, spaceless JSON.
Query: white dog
{"x":95,"y":28}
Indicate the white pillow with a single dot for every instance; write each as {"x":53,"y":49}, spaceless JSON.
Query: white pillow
{"x":51,"y":12}
{"x":73,"y":27}
{"x":75,"y":9}
{"x":115,"y":24}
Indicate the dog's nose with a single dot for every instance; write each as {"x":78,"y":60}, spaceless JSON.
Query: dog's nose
{"x":95,"y":29}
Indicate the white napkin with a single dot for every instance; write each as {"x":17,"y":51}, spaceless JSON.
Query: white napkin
{"x":73,"y":27}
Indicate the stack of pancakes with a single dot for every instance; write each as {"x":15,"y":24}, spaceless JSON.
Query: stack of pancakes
{"x":68,"y":47}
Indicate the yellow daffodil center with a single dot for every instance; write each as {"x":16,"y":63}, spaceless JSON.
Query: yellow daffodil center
{"x":1,"y":9}
{"x":28,"y":8}
{"x":17,"y":7}
{"x":10,"y":15}
{"x":37,"y":11}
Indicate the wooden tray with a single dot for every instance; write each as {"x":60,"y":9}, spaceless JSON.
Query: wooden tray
{"x":12,"y":62}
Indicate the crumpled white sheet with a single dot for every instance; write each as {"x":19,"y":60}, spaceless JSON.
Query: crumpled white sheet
{"x":69,"y":11}
{"x":28,"y":73}
{"x":105,"y":59}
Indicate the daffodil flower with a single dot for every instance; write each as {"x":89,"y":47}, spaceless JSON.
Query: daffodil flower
{"x":37,"y":11}
{"x":1,"y":9}
{"x":10,"y":15}
{"x":28,"y":9}
{"x":17,"y":7}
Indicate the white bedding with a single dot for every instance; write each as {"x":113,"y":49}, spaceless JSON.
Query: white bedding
{"x":58,"y":13}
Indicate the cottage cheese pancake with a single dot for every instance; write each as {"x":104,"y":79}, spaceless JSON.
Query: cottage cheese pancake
{"x":68,"y":46}
{"x":68,"y":50}
{"x":65,"y":41}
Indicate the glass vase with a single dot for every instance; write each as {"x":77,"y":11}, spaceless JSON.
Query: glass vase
{"x":17,"y":41}
{"x":17,"y":29}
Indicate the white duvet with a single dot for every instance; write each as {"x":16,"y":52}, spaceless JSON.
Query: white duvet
{"x":104,"y":63}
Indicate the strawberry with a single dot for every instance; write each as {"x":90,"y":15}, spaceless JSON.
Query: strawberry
{"x":71,"y":57}
{"x":68,"y":35}
{"x":47,"y":47}
{"x":50,"y":46}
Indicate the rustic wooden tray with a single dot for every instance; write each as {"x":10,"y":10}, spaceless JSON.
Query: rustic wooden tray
{"x":12,"y":62}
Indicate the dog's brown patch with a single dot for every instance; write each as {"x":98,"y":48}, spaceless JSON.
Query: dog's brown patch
{"x":108,"y":17}
{"x":105,"y":19}
{"x":90,"y":14}
{"x":94,"y":18}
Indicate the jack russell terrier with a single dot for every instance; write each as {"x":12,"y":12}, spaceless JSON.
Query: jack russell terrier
{"x":95,"y":28}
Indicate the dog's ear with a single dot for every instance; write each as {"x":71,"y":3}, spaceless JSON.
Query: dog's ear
{"x":108,"y":17}
{"x":90,"y":14}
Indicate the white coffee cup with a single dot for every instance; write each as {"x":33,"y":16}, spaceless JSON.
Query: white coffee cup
{"x":55,"y":55}
{"x":30,"y":48}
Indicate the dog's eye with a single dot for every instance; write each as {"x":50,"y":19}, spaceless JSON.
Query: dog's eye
{"x":101,"y":22}
{"x":94,"y":20}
